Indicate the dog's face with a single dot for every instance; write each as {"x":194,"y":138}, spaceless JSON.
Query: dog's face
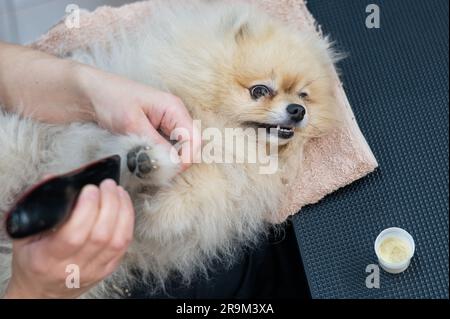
{"x":281,"y":81}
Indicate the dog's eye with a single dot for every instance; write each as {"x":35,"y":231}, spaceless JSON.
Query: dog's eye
{"x":259,"y":91}
{"x":303,"y":95}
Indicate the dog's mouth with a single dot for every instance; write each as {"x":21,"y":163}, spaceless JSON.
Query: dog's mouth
{"x":282,"y":131}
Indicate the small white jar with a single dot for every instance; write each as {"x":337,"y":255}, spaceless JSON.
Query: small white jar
{"x":394,"y":248}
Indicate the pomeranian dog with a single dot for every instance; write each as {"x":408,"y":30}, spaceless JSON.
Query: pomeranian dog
{"x":234,"y":67}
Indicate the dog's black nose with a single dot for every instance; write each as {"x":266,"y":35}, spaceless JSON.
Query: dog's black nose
{"x":296,"y":111}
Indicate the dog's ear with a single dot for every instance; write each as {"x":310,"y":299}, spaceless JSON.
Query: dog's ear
{"x":242,"y":33}
{"x":237,"y":25}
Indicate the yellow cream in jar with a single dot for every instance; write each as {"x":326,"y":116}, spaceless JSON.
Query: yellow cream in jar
{"x":394,"y":250}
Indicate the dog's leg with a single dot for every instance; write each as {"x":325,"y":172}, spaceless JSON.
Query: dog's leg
{"x":144,"y":163}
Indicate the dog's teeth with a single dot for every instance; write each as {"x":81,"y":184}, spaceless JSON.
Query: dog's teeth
{"x":285,"y":130}
{"x":278,"y":127}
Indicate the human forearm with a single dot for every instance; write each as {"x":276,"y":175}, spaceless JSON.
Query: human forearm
{"x":42,"y":86}
{"x":58,"y":91}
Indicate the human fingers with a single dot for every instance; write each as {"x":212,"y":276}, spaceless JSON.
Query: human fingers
{"x":171,"y":116}
{"x":104,"y":226}
{"x":123,"y":233}
{"x":73,"y":234}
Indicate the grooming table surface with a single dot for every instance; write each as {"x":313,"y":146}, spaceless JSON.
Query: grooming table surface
{"x":396,"y":79}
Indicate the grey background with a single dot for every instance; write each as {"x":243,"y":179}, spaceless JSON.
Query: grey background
{"x":23,"y":21}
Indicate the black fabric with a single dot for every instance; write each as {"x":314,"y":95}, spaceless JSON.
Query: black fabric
{"x":273,"y":270}
{"x":396,"y":79}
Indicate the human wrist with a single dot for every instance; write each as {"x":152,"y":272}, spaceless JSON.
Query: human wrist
{"x":15,"y":292}
{"x":19,"y":291}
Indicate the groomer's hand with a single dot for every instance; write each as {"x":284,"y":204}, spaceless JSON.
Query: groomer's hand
{"x":124,"y":106}
{"x":94,"y":239}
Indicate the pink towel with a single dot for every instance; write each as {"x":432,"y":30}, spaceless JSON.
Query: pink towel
{"x":329,"y":162}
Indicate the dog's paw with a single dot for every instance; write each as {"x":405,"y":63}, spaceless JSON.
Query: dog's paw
{"x":141,"y":162}
{"x":144,"y":163}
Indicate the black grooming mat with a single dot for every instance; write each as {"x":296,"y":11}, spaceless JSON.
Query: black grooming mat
{"x":271,"y":270}
{"x":396,"y":79}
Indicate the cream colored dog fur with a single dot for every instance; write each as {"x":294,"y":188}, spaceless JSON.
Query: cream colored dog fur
{"x":209,"y":54}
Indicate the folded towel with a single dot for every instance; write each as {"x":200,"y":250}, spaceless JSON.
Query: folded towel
{"x":328,"y":163}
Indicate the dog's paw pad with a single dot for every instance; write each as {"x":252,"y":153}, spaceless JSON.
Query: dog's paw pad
{"x":140,"y":161}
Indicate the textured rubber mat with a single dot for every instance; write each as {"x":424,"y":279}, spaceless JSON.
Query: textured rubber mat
{"x":396,"y":78}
